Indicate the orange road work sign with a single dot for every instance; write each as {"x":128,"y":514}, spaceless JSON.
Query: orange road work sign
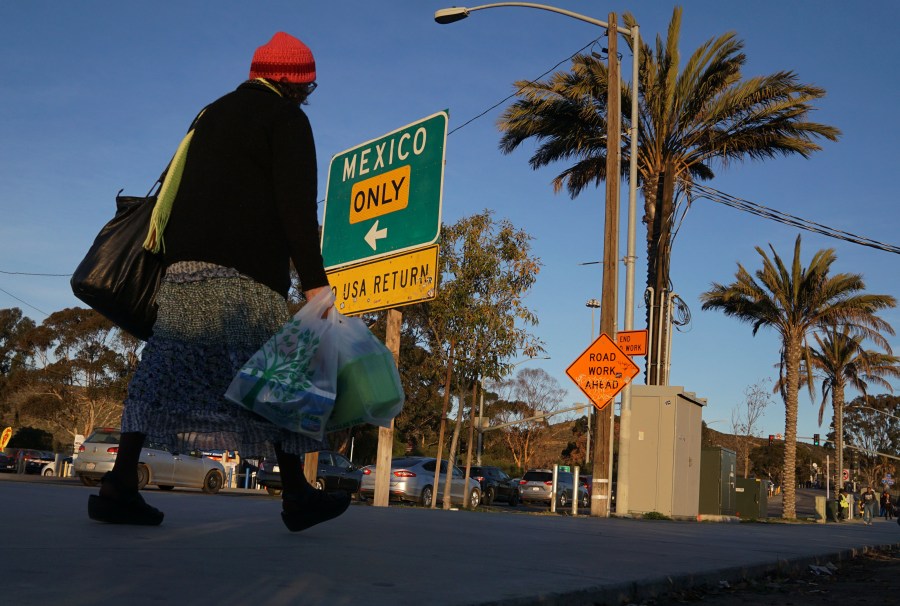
{"x":632,"y":342}
{"x":602,"y":371}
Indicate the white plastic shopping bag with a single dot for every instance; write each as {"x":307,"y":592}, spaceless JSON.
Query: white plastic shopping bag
{"x":292,"y":380}
{"x":368,"y":382}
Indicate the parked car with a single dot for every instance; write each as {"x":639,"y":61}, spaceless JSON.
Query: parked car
{"x":49,"y":469}
{"x":8,"y":460}
{"x":412,"y":480}
{"x":495,"y":485}
{"x":336,"y":472}
{"x":34,"y":459}
{"x":536,"y":486}
{"x":157,"y":465}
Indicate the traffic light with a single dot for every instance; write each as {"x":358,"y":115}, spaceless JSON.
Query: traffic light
{"x":771,"y":440}
{"x":815,"y":439}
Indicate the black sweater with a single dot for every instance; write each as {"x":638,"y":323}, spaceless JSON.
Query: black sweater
{"x":247,"y":198}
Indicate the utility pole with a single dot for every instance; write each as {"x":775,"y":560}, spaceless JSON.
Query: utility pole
{"x":602,"y":480}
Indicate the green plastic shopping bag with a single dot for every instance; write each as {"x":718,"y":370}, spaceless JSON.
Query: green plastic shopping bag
{"x":368,"y":382}
{"x":292,"y":379}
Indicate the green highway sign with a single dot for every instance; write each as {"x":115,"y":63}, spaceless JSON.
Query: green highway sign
{"x":384,"y":196}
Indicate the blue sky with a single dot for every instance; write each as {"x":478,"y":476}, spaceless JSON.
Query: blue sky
{"x":97,"y":94}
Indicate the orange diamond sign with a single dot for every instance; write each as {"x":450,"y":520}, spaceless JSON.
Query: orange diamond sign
{"x":602,"y":371}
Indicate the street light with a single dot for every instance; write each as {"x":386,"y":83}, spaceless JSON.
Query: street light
{"x":610,"y":247}
{"x":593,"y":304}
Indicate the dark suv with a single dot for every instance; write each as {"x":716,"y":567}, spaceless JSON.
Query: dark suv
{"x":495,"y":485}
{"x":335,"y":472}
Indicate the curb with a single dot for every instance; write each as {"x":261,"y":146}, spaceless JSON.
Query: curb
{"x":638,"y":591}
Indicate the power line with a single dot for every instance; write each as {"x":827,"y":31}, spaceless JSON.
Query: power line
{"x":24,"y":302}
{"x":25,"y":273}
{"x":715,"y":195}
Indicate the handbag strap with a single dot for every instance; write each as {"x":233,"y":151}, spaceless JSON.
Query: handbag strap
{"x":169,"y":181}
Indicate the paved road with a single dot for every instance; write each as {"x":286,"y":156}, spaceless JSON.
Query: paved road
{"x":231,"y":548}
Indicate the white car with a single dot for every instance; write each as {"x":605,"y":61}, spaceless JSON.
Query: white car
{"x":156,"y":466}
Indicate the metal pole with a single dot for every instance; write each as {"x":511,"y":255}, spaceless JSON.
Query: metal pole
{"x":625,"y":414}
{"x":553,"y":489}
{"x":575,"y":488}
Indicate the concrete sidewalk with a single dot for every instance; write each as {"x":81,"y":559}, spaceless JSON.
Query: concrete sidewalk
{"x":231,"y":548}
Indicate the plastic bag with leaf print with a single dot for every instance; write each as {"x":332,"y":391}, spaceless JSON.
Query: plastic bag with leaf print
{"x":292,"y":379}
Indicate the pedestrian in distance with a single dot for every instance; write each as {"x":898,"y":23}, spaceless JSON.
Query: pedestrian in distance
{"x":869,"y":502}
{"x":844,"y":503}
{"x":888,"y":505}
{"x":882,"y":501}
{"x":244,"y":210}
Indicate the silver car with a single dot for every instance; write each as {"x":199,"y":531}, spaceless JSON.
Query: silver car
{"x":536,"y":486}
{"x":157,"y":465}
{"x":412,"y":479}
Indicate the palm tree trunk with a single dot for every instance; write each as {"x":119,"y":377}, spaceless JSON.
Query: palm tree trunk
{"x":789,"y":475}
{"x":837,"y":399}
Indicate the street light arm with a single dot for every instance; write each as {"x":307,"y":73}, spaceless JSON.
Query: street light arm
{"x":451,"y":15}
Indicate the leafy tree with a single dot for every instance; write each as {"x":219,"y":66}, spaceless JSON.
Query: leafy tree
{"x":31,"y":437}
{"x":840,"y":360}
{"x":527,"y":400}
{"x":872,"y":425}
{"x":13,"y":356}
{"x":744,"y":419}
{"x":794,"y":301}
{"x":478,"y":319}
{"x":81,"y":372}
{"x":690,"y":120}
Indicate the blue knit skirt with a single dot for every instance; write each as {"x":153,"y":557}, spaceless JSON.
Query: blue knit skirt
{"x":211,"y":321}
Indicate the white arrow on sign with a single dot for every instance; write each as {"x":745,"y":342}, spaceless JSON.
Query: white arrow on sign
{"x":375,"y":235}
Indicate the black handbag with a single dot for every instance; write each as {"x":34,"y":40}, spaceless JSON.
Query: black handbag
{"x":118,"y":277}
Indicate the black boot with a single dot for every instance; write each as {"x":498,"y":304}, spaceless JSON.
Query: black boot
{"x":301,"y":511}
{"x":125,"y":507}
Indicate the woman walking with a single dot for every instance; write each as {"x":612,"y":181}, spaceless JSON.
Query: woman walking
{"x":245,"y":209}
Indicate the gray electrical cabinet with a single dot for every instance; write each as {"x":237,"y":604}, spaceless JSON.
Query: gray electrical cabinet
{"x":664,"y":450}
{"x":717,"y":481}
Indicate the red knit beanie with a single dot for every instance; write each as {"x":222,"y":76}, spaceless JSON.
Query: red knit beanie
{"x":284,"y":58}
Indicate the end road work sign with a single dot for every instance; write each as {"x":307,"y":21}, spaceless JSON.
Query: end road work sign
{"x":384,"y":196}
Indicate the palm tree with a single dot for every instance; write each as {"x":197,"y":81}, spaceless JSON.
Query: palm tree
{"x":842,"y":361}
{"x":687,"y":121}
{"x":794,"y":301}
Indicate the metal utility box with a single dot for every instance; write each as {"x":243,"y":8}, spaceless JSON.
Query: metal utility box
{"x":717,"y":476}
{"x":751,"y":500}
{"x":664,"y":450}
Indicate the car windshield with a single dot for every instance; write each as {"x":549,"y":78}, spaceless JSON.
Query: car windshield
{"x":105,"y":436}
{"x":538,"y":476}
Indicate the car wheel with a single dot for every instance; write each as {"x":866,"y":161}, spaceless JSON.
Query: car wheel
{"x":563,"y":500}
{"x":320,"y":484}
{"x":489,"y":495}
{"x":143,"y":477}
{"x":585,"y":501}
{"x":514,"y":498}
{"x":273,"y":492}
{"x":212,"y":482}
{"x":426,"y":496}
{"x":165,"y":487}
{"x":88,"y":481}
{"x":48,"y":472}
{"x":474,"y":498}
